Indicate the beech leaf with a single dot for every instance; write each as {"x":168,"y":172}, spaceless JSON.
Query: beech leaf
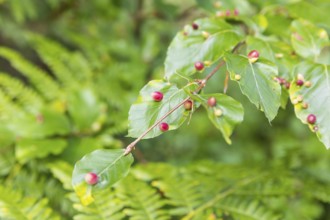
{"x":256,"y":81}
{"x":316,"y":96}
{"x":226,"y":113}
{"x":109,"y":165}
{"x":208,"y":43}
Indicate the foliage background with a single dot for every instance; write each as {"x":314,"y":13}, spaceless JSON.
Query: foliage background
{"x":99,"y":54}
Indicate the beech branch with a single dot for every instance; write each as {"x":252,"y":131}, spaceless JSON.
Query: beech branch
{"x":202,"y":84}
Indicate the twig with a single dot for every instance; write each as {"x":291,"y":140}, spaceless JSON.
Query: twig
{"x":202,"y":84}
{"x":131,"y":146}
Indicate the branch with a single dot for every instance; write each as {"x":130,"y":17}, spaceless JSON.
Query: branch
{"x":202,"y":84}
{"x":131,"y":146}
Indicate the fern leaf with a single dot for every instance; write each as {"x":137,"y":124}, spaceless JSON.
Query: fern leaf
{"x":7,"y":160}
{"x":22,"y":11}
{"x":246,"y":208}
{"x":25,"y":96}
{"x":142,"y":201}
{"x":8,"y":109}
{"x":14,"y":206}
{"x":320,"y":192}
{"x":279,"y":186}
{"x":44,"y":84}
{"x":107,"y":205}
{"x":62,"y":171}
{"x":183,"y":194}
{"x":67,"y":66}
{"x":55,"y":57}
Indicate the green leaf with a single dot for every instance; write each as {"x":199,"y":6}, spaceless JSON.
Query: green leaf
{"x":263,"y":47}
{"x":7,"y":160}
{"x":107,"y":205}
{"x":48,"y":122}
{"x":145,"y":111}
{"x":190,"y":46}
{"x":285,"y":59}
{"x":78,"y":147}
{"x":62,"y":171}
{"x":42,"y":81}
{"x":324,"y":57}
{"x":225,"y":115}
{"x":317,"y":97}
{"x":27,"y":149}
{"x":7,"y":137}
{"x":307,"y":39}
{"x":278,"y":25}
{"x":182,"y":194}
{"x":23,"y":95}
{"x":243,"y":208}
{"x":109,"y":165}
{"x":314,"y":11}
{"x":14,"y":205}
{"x":279,"y":53}
{"x":84,"y":108}
{"x":257,"y":82}
{"x":143,"y":204}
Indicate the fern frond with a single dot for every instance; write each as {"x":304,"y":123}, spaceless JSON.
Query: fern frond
{"x":142,"y":201}
{"x":246,"y":208}
{"x":279,"y":186}
{"x":54,"y":57}
{"x":17,"y":91}
{"x":318,"y":191}
{"x":14,"y":206}
{"x":62,"y":171}
{"x":28,"y":180}
{"x":182,"y":193}
{"x":7,"y":160}
{"x":21,"y":12}
{"x":107,"y":206}
{"x":44,"y":84}
{"x":69,"y":67}
{"x":8,"y":109}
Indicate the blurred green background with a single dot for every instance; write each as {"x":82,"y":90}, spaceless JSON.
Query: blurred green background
{"x":96,"y":56}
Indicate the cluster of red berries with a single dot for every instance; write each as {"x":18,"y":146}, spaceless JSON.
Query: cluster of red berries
{"x":311,"y":118}
{"x":283,"y":82}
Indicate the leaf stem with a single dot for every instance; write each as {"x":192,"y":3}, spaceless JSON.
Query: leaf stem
{"x":202,"y":84}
